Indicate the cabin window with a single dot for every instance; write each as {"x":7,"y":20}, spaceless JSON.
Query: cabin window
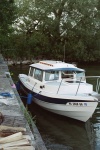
{"x":31,"y":71}
{"x":38,"y":74}
{"x":51,"y":75}
{"x":67,"y":74}
{"x":80,"y":76}
{"x":73,"y":74}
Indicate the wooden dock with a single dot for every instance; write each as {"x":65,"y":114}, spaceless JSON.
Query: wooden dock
{"x":14,"y":118}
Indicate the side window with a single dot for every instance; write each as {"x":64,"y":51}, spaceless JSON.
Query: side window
{"x":38,"y":74}
{"x":31,"y":71}
{"x":51,"y":75}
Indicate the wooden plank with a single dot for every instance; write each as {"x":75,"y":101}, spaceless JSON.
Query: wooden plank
{"x":23,"y":142}
{"x":23,"y":137}
{"x":19,"y":129}
{"x":20,"y":148}
{"x":11,"y":138}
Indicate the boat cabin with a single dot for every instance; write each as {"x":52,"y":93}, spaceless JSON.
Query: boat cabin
{"x":47,"y":71}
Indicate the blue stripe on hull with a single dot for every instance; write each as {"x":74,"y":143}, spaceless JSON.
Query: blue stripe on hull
{"x":49,"y":99}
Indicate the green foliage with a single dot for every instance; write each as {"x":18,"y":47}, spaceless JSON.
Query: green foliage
{"x":7,"y":16}
{"x":27,"y":114}
{"x":44,"y":28}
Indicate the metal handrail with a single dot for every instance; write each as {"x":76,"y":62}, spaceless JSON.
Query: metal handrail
{"x":78,"y":86}
{"x":97,"y":85}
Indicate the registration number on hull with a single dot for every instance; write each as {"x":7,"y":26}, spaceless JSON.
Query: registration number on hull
{"x":76,"y":104}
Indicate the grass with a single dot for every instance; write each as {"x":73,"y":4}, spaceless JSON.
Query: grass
{"x":28,"y":116}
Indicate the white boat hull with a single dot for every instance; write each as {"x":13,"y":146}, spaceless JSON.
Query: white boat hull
{"x":78,"y":113}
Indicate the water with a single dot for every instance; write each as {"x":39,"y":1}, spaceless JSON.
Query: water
{"x":62,"y":133}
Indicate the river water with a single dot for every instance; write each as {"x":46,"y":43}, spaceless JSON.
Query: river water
{"x":62,"y":133}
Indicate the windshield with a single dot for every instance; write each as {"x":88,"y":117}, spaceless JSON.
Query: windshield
{"x":80,"y":76}
{"x":73,"y":75}
{"x":51,"y":75}
{"x":67,"y":74}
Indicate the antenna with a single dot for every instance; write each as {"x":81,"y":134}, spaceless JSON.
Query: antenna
{"x":64,"y":34}
{"x":64,"y":50}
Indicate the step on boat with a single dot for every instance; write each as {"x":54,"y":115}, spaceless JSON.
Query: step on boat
{"x":61,"y":88}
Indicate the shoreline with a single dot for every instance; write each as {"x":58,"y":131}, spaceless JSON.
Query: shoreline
{"x":28,"y":62}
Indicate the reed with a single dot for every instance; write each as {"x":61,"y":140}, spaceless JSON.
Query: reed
{"x":28,"y":116}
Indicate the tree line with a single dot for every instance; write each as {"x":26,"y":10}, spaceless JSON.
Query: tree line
{"x":50,"y":29}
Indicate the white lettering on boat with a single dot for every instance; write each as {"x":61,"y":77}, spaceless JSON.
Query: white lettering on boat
{"x":76,"y":104}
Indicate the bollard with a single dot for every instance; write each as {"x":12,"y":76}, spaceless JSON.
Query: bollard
{"x":29,"y":98}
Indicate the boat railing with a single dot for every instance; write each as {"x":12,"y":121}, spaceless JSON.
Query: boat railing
{"x":97,"y":85}
{"x":78,"y":85}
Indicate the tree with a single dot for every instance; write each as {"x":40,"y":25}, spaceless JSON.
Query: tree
{"x":7,"y":16}
{"x":51,"y":25}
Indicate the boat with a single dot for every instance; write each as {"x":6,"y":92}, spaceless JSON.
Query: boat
{"x":61,"y":88}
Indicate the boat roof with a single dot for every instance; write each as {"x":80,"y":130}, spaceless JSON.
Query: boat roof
{"x":56,"y":65}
